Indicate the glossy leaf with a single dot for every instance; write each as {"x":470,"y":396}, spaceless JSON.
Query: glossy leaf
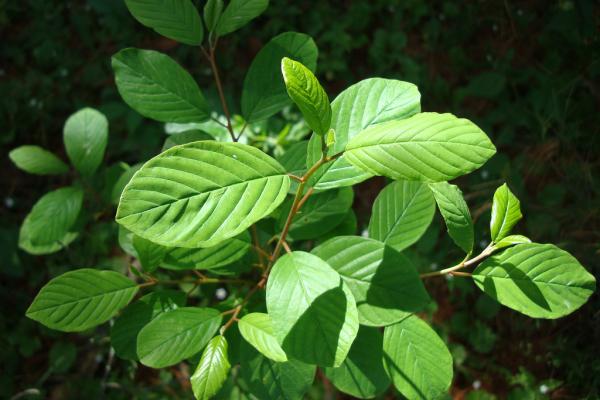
{"x":176,"y":335}
{"x":510,"y":240}
{"x":428,"y":147}
{"x":85,"y":135}
{"x":538,"y":280}
{"x":209,"y":258}
{"x":50,"y":221}
{"x":384,"y":283}
{"x":212,"y":12}
{"x":149,"y":253}
{"x":402,"y":212}
{"x":506,"y":212}
{"x":257,"y":329}
{"x":81,"y":299}
{"x":212,"y":370}
{"x":456,"y":214}
{"x":320,"y":213}
{"x":185,"y":138}
{"x":264,"y":92}
{"x":417,"y":360}
{"x":308,"y":94}
{"x":124,"y":332}
{"x":38,"y":161}
{"x":157,"y":87}
{"x":362,"y":375}
{"x":313,"y":314}
{"x":238,"y":13}
{"x":176,"y":19}
{"x":201,"y":193}
{"x":366,"y":103}
{"x":268,"y":379}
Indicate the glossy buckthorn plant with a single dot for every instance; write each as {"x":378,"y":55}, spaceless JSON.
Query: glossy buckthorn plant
{"x":288,"y":286}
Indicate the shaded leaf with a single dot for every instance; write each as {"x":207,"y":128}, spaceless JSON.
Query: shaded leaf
{"x":456,"y":214}
{"x":85,"y":135}
{"x":238,"y":13}
{"x":36,"y":160}
{"x":149,"y":253}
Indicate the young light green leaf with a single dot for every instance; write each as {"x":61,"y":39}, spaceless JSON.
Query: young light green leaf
{"x":124,"y":332}
{"x":264,"y":92}
{"x":368,"y":102}
{"x":201,"y":193}
{"x":319,"y":214}
{"x":510,"y":240}
{"x":157,"y":87}
{"x":209,"y":258}
{"x":361,"y":374}
{"x":506,"y":212}
{"x":384,"y":283}
{"x":81,"y":299}
{"x":456,"y":214}
{"x":401,"y":214}
{"x":238,"y":13}
{"x":176,"y":335}
{"x":149,"y":253}
{"x":212,"y":370}
{"x":38,"y":161}
{"x":417,"y":360}
{"x":185,"y":138}
{"x":257,"y":329}
{"x":427,"y":147}
{"x":538,"y":280}
{"x":313,"y":313}
{"x":51,"y":219}
{"x":176,"y":19}
{"x":85,"y":135}
{"x":212,"y":12}
{"x":268,"y":379}
{"x":308,"y":94}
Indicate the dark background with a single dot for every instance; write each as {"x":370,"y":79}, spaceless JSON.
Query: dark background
{"x":527,"y":72}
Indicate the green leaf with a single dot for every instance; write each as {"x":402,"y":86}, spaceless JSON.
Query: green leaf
{"x":81,"y":299}
{"x":362,"y":375}
{"x":456,"y":214}
{"x":428,"y":147}
{"x":176,"y":19}
{"x":510,"y":240}
{"x":176,"y":335}
{"x":49,"y":222}
{"x":238,"y":13}
{"x":294,"y":161}
{"x":417,"y":360}
{"x":38,"y":161}
{"x":149,"y":253}
{"x":212,"y":370}
{"x":384,"y":283}
{"x":268,"y":379}
{"x":506,"y":212}
{"x":122,"y":182}
{"x":201,"y":193}
{"x":401,"y":214}
{"x":313,"y":314}
{"x":212,"y":12}
{"x":320,"y":213}
{"x":210,"y":258}
{"x":366,"y":103}
{"x":157,"y":87}
{"x":124,"y":332}
{"x":185,"y":138}
{"x":308,"y":94}
{"x":85,"y":135}
{"x":538,"y":280}
{"x":257,"y":329}
{"x":264,"y":92}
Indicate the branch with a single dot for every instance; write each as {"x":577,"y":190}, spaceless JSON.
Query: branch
{"x":213,"y":64}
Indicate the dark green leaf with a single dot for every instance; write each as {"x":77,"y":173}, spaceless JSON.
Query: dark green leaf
{"x":212,"y":12}
{"x":149,"y":253}
{"x":456,"y":214}
{"x":238,"y":13}
{"x":157,"y":87}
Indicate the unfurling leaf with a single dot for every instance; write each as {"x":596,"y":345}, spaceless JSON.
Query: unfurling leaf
{"x":212,"y":370}
{"x":506,"y":212}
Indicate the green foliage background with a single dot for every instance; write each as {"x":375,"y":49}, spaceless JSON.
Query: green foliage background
{"x":527,"y":72}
